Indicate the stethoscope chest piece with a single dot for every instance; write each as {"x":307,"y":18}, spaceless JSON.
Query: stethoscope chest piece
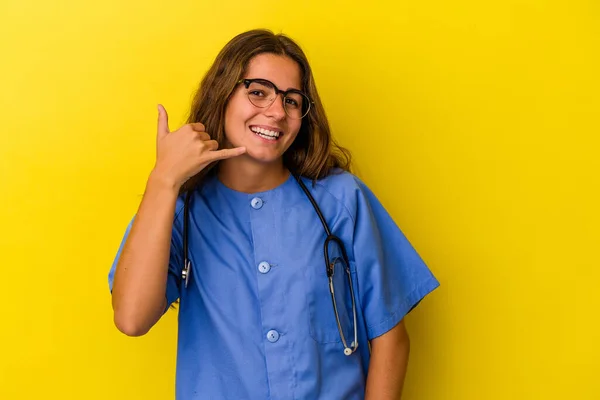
{"x":185,"y":273}
{"x":349,"y":350}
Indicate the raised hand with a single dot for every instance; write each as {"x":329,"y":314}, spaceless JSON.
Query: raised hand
{"x":183,"y":153}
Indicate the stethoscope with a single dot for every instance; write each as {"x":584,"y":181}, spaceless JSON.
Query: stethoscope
{"x":329,"y":264}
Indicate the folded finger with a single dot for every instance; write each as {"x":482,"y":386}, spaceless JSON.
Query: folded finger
{"x":211,"y":144}
{"x":198,"y":126}
{"x":203,"y":136}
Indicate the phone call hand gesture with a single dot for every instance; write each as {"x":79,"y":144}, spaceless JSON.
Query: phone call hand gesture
{"x":183,"y":153}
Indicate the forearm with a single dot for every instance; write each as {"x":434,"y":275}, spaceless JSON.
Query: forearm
{"x":139,"y":287}
{"x":387,"y":369}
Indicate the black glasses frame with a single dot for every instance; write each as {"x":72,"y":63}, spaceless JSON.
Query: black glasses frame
{"x":307,"y":104}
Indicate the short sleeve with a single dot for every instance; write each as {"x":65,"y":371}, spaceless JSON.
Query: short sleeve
{"x":392,"y":277}
{"x":175,"y":257}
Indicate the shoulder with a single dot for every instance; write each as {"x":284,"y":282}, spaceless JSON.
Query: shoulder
{"x":191,"y":196}
{"x":339,"y":179}
{"x":345,"y":188}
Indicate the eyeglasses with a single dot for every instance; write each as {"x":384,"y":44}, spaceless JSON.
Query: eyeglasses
{"x":262,"y":93}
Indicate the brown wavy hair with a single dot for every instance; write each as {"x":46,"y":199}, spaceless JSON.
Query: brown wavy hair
{"x":314,"y":152}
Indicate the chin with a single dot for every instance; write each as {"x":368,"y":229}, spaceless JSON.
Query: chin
{"x":264,"y":157}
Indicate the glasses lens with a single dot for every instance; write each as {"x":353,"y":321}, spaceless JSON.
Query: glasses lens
{"x":341,"y":289}
{"x":261,"y":93}
{"x":296,"y":105}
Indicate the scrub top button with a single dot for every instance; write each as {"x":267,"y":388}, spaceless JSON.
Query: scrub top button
{"x":272,"y":336}
{"x":256,"y":203}
{"x":264,"y":267}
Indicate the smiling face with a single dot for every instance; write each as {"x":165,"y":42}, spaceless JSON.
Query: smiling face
{"x":266,"y":132}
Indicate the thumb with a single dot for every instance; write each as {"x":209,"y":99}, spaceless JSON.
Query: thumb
{"x":163,"y":122}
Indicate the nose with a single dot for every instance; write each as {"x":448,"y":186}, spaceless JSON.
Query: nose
{"x":276,"y":109}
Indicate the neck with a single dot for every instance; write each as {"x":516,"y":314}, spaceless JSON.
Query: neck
{"x":243,"y":175}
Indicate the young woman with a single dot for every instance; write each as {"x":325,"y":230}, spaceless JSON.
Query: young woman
{"x":292,"y":279}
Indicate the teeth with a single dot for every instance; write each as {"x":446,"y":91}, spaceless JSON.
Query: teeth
{"x":265,"y":132}
{"x":267,"y":137}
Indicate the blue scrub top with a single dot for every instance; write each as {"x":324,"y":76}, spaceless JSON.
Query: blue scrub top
{"x":256,"y":320}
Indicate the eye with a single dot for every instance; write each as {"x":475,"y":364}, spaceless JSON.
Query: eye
{"x":257,"y":93}
{"x":291,"y":102}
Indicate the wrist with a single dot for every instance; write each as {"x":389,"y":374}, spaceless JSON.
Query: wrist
{"x":162,"y":182}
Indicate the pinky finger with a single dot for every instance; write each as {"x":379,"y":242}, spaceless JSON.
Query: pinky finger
{"x":225,"y":153}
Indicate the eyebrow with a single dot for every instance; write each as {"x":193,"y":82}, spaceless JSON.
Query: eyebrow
{"x":285,"y":90}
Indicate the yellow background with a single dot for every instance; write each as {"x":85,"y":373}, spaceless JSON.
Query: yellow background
{"x":476,"y":123}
